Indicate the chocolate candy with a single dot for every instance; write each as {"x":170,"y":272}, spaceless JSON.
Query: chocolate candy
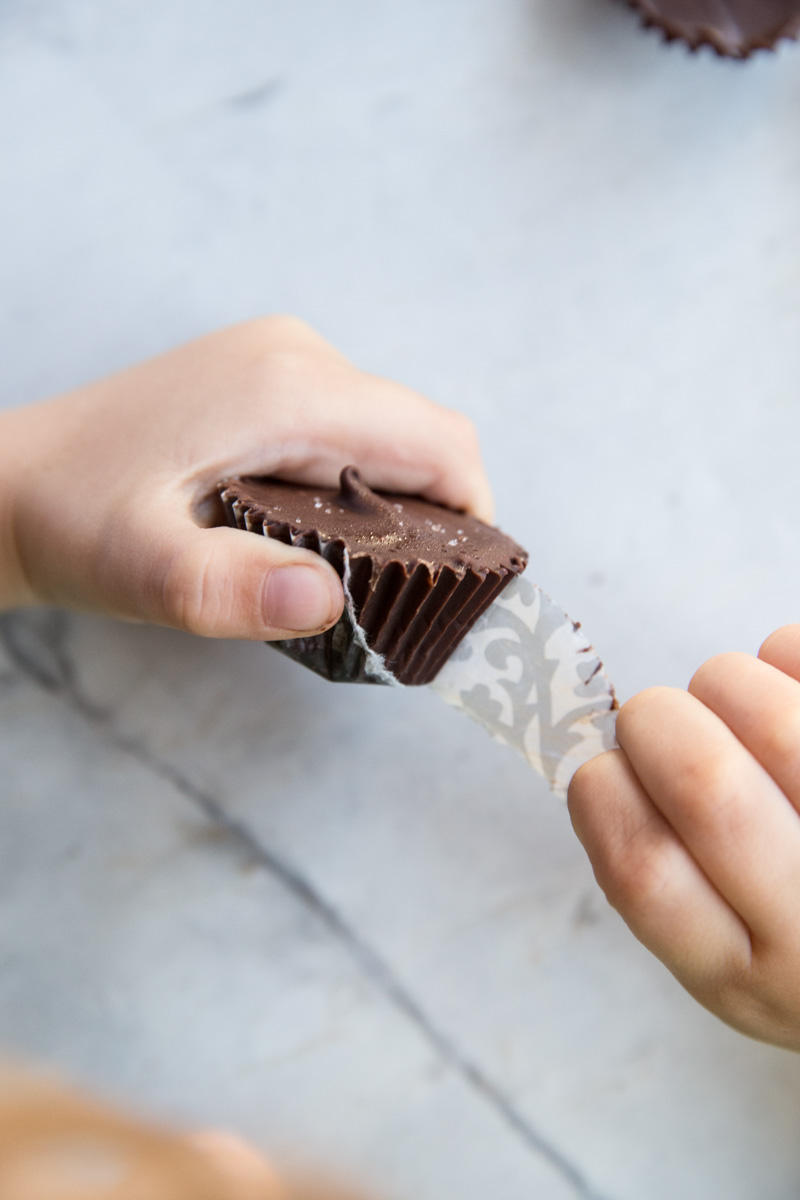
{"x":734,"y":28}
{"x":417,"y":576}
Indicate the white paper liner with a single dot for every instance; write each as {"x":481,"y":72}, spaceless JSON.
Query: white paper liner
{"x":526,"y":673}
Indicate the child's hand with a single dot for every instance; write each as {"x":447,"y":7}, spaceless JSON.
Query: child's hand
{"x":693,"y":829}
{"x":102,"y":490}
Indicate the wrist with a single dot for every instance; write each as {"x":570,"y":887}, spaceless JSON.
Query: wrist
{"x":15,"y":589}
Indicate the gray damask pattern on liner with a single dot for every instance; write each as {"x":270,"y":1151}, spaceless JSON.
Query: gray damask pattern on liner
{"x":527,"y":673}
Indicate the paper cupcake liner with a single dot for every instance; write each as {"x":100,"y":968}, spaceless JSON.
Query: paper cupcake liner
{"x":529,"y":675}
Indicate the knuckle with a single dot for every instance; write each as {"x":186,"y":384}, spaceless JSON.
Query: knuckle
{"x":277,"y":348}
{"x":751,"y":991}
{"x":711,"y":775}
{"x":725,"y":994}
{"x":635,"y":883}
{"x":709,"y":795}
{"x":280,"y":327}
{"x":754,"y":1005}
{"x":280,"y":370}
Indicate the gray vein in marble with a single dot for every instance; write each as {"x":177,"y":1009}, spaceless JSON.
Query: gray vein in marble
{"x":36,"y":644}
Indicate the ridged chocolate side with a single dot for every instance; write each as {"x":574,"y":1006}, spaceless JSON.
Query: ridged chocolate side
{"x":734,"y":29}
{"x":412,"y":613}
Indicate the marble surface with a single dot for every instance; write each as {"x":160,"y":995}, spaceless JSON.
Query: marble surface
{"x":361,"y":933}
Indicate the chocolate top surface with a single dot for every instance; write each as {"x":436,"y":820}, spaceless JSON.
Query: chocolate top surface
{"x":732,"y":27}
{"x":387,"y":527}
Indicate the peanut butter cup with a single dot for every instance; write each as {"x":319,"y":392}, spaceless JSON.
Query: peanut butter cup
{"x":416,"y":576}
{"x":734,"y":28}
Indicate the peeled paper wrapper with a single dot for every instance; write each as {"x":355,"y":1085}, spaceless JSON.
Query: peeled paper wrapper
{"x":525,"y":671}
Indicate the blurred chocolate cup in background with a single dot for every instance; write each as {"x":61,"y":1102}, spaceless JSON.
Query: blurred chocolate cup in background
{"x":734,"y":28}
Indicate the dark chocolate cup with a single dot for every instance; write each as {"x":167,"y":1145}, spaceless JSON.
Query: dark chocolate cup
{"x":735,"y":30}
{"x":410,"y":616}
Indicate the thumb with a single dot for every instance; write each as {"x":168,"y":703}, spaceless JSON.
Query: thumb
{"x":226,"y":583}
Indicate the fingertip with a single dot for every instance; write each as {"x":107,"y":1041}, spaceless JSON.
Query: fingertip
{"x":472,"y":496}
{"x":782,"y":649}
{"x":481,"y":497}
{"x":719,"y":670}
{"x":643,"y":711}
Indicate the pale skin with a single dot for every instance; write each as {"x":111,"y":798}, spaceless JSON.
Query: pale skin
{"x":693,"y":829}
{"x":693,"y":826}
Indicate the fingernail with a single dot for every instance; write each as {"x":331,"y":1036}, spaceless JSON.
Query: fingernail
{"x":301,"y":598}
